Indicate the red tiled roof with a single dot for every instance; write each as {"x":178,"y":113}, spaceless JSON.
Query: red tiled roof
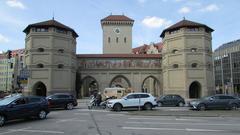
{"x":185,"y":23}
{"x":50,"y":23}
{"x":118,"y":56}
{"x":117,"y":18}
{"x":143,"y":49}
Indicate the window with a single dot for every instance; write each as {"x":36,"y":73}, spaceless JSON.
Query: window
{"x":125,"y":40}
{"x":40,"y":50}
{"x":117,"y":39}
{"x":61,"y":50}
{"x":41,"y":30}
{"x":40,"y":65}
{"x":109,"y":39}
{"x":175,"y":51}
{"x":175,"y":65}
{"x":61,"y":31}
{"x":144,"y":95}
{"x":60,"y":65}
{"x":130,"y":97}
{"x":194,"y":65}
{"x":193,"y":49}
{"x":34,"y":100}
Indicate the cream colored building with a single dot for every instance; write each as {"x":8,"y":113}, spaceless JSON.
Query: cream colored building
{"x":187,"y":60}
{"x":183,"y":67}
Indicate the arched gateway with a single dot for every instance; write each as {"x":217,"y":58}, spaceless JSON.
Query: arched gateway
{"x":39,"y":89}
{"x":89,"y":85}
{"x":195,"y":90}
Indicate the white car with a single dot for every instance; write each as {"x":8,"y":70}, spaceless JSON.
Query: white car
{"x":133,"y":100}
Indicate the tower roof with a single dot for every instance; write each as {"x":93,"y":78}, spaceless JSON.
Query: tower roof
{"x":185,"y":23}
{"x":117,"y":18}
{"x":50,"y":23}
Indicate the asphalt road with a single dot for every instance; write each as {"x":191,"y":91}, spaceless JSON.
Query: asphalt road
{"x":82,"y":121}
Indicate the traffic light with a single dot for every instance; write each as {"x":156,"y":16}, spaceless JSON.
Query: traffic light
{"x":9,"y":54}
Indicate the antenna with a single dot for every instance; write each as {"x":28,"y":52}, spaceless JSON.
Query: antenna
{"x":53,"y":16}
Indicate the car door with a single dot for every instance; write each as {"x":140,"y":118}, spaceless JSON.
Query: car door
{"x":224,"y":101}
{"x":131,"y":101}
{"x":18,"y":109}
{"x":167,"y":100}
{"x":33,"y":105}
{"x":54,"y":101}
{"x":213,"y":102}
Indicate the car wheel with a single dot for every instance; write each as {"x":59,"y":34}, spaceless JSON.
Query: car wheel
{"x":69,"y":106}
{"x":159,"y":104}
{"x":180,"y":104}
{"x":233,"y":106}
{"x":148,"y":106}
{"x":201,"y":107}
{"x":2,"y":120}
{"x":117,"y":107}
{"x":42,"y":114}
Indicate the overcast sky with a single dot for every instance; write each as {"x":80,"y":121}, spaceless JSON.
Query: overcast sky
{"x":151,"y":17}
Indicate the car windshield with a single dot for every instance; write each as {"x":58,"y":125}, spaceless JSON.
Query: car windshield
{"x":205,"y":98}
{"x":7,"y":101}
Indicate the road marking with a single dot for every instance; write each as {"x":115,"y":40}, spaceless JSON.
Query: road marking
{"x":70,"y":120}
{"x":173,"y":129}
{"x":180,"y":119}
{"x":41,"y":131}
{"x":13,"y":130}
{"x":81,"y":114}
{"x":160,"y":123}
{"x":150,"y":118}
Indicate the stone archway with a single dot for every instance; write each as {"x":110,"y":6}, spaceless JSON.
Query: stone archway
{"x":120,"y":81}
{"x":195,"y":90}
{"x":89,"y":86}
{"x":40,"y":89}
{"x":151,"y":85}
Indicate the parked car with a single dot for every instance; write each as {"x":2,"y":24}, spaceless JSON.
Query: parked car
{"x":133,"y":100}
{"x":171,"y":100}
{"x":18,"y":107}
{"x":62,"y":100}
{"x":216,"y":102}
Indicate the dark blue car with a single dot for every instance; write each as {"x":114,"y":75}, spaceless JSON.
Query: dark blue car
{"x":19,"y":107}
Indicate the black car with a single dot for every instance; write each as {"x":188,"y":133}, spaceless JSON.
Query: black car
{"x":62,"y":100}
{"x":216,"y":102}
{"x":171,"y":100}
{"x":19,"y":107}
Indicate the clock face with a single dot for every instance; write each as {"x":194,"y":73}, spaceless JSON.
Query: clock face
{"x":117,"y":30}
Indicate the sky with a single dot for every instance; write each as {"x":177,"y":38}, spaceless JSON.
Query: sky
{"x":151,"y":18}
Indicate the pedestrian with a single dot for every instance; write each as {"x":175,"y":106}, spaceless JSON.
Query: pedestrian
{"x":99,"y":98}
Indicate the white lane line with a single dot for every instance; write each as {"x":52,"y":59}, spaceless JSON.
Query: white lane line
{"x":152,"y":118}
{"x":180,"y":119}
{"x":160,"y":123}
{"x":81,"y":114}
{"x":13,"y":130}
{"x":113,"y":114}
{"x":173,"y":129}
{"x":41,"y":131}
{"x":70,"y":120}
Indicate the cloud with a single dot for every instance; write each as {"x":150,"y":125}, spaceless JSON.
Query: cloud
{"x":15,"y":4}
{"x":184,"y":10}
{"x":210,"y":8}
{"x":156,"y":22}
{"x":3,"y":39}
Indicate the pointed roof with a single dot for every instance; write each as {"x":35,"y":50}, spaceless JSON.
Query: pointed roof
{"x":117,"y":18}
{"x":50,"y":23}
{"x":185,"y":23}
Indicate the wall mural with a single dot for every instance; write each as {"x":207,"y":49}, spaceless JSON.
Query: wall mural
{"x":135,"y":63}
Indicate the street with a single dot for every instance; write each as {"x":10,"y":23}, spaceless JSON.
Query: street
{"x":103,"y":122}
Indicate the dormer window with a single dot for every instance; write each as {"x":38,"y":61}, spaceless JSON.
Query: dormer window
{"x":40,"y":50}
{"x":41,"y":30}
{"x":40,"y":65}
{"x":61,"y":31}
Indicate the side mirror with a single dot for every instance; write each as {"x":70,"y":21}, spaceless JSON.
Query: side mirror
{"x":125,"y":98}
{"x":12,"y":105}
{"x":211,"y":99}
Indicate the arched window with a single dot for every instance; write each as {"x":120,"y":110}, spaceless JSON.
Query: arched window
{"x":194,"y":65}
{"x":125,"y":40}
{"x":109,"y":39}
{"x":193,"y":49}
{"x":175,"y":65}
{"x":60,"y":65}
{"x":117,"y":39}
{"x":40,"y":50}
{"x":40,"y":65}
{"x":175,"y":51}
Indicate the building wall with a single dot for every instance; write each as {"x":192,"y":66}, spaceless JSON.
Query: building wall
{"x":182,"y":48}
{"x":114,"y":47}
{"x":59,"y":49}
